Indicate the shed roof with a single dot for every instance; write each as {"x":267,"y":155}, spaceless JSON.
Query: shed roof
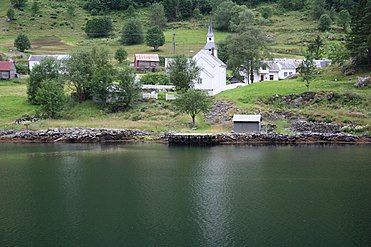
{"x":247,"y":118}
{"x":38,"y":58}
{"x":6,"y":65}
{"x":147,"y":57}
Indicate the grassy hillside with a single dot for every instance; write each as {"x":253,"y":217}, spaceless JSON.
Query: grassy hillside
{"x":53,"y":30}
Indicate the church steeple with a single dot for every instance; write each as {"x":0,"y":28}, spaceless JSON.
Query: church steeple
{"x":210,"y":33}
{"x":210,"y":41}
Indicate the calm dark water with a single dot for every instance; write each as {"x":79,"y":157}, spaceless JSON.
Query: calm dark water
{"x":155,"y":195}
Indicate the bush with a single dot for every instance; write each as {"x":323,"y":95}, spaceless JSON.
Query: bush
{"x":10,"y":14}
{"x":51,"y":98}
{"x":155,"y":79}
{"x":98,"y":27}
{"x":266,"y":12}
{"x":121,"y":55}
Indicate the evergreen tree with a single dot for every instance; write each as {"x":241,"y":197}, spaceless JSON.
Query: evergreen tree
{"x":359,"y":39}
{"x":35,"y":8}
{"x":324,"y":23}
{"x":155,"y":38}
{"x":307,"y":69}
{"x":132,"y":32}
{"x":157,"y":15}
{"x":317,"y":8}
{"x":344,"y":19}
{"x":18,"y":4}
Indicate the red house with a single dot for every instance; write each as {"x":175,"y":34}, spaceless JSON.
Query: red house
{"x":7,"y":70}
{"x":146,"y":62}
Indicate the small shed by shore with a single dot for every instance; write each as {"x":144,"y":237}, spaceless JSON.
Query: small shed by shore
{"x":247,"y":123}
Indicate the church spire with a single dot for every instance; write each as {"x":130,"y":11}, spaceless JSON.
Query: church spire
{"x":210,"y":33}
{"x":210,"y":41}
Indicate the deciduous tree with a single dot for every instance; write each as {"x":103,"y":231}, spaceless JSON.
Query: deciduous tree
{"x":193,"y":102}
{"x":22,"y":42}
{"x":132,"y":32}
{"x":155,"y":38}
{"x":183,"y":72}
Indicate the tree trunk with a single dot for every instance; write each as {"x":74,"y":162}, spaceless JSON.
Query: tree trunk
{"x":252,"y":74}
{"x":193,"y":120}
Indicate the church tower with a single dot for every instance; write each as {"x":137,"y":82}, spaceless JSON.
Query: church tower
{"x":210,"y":41}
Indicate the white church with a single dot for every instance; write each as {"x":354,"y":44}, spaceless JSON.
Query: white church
{"x":213,"y":74}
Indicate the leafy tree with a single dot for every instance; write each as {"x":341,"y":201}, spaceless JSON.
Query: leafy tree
{"x":22,"y":42}
{"x":35,"y":8}
{"x":193,"y":102}
{"x":51,"y":98}
{"x":171,"y":8}
{"x":98,"y":27}
{"x":324,"y":22}
{"x":183,"y":72}
{"x":128,"y":90}
{"x":307,"y":69}
{"x":157,"y":15}
{"x":223,"y":15}
{"x":315,"y":47}
{"x":132,"y":32}
{"x":337,"y":53}
{"x":18,"y":4}
{"x":344,"y":19}
{"x":292,"y":4}
{"x":47,"y":69}
{"x":266,"y":12}
{"x":80,"y":70}
{"x":247,"y":47}
{"x":359,"y":39}
{"x":155,"y":38}
{"x":121,"y":55}
{"x":131,"y":11}
{"x":10,"y":14}
{"x":102,"y":80}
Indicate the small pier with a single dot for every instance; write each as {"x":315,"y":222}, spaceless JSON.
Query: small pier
{"x":193,"y":139}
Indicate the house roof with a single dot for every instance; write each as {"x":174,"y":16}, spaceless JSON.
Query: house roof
{"x":6,"y":65}
{"x":288,"y":63}
{"x":38,"y":58}
{"x":147,"y":57}
{"x":247,"y":118}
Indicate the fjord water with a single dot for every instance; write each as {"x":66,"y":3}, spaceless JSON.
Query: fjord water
{"x":155,"y":195}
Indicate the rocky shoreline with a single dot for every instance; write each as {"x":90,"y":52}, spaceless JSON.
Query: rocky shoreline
{"x":87,"y":135}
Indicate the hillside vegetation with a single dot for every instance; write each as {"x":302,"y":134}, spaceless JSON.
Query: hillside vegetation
{"x":53,"y":30}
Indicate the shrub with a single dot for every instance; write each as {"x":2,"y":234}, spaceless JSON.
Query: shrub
{"x":98,"y":27}
{"x":51,"y":99}
{"x":266,"y":12}
{"x":21,"y":68}
{"x":155,"y":79}
{"x":10,"y":14}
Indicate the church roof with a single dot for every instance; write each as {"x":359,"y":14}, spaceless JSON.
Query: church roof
{"x":209,"y":45}
{"x":210,"y":32}
{"x":211,"y":57}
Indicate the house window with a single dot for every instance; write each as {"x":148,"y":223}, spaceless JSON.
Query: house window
{"x":290,"y":73}
{"x":271,"y":77}
{"x":285,"y":74}
{"x":199,"y":80}
{"x":264,"y":67}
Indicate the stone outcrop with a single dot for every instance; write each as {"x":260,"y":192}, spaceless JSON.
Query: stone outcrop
{"x":301,"y":126}
{"x":363,"y":82}
{"x":220,"y":113}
